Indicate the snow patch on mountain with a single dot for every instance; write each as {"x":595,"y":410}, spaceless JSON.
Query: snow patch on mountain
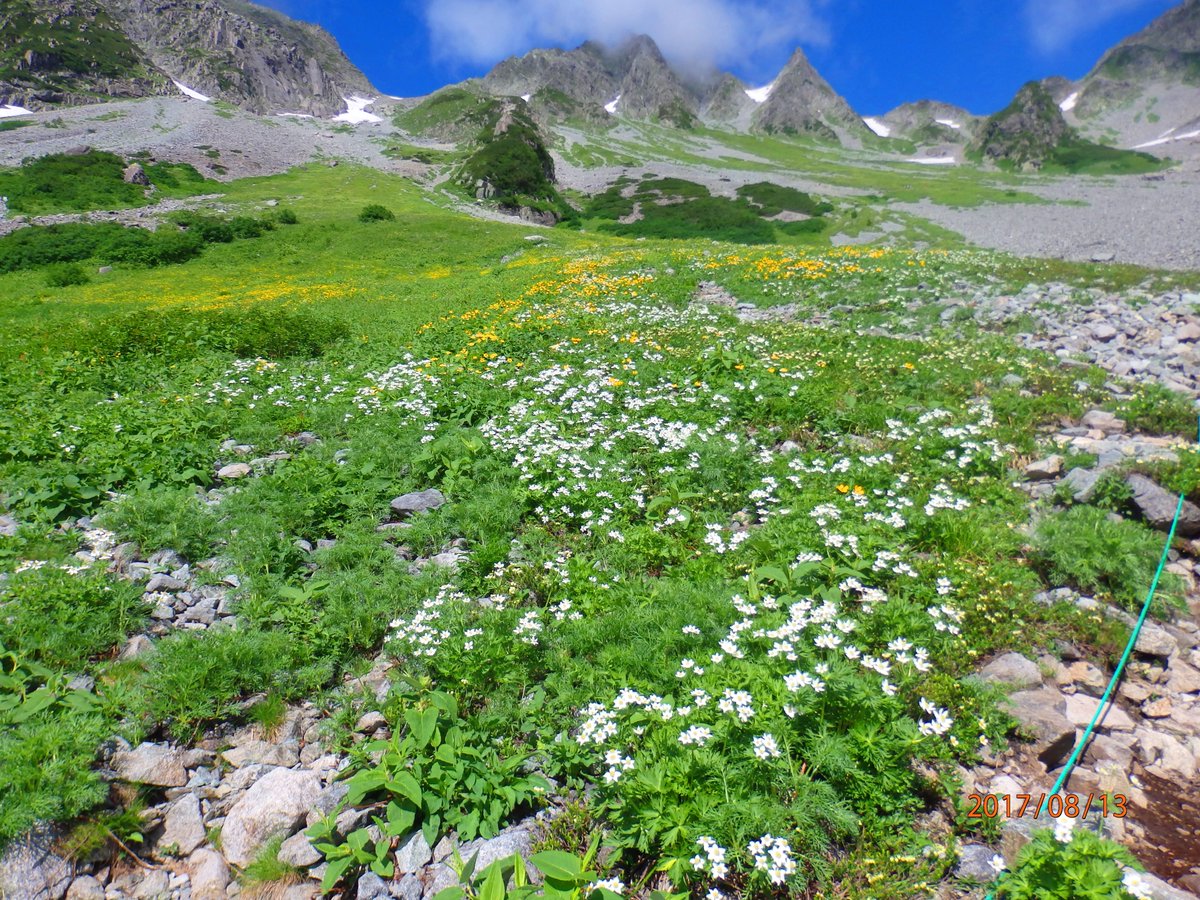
{"x":933,"y":160}
{"x":760,"y":95}
{"x":1069,"y":104}
{"x":949,"y":123}
{"x":356,"y":111}
{"x":878,"y":127}
{"x":195,"y":95}
{"x":527,"y":97}
{"x":611,"y":108}
{"x":1167,"y":137}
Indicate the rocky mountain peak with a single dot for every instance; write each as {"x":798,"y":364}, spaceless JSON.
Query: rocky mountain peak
{"x":804,"y":102}
{"x":1027,"y":131}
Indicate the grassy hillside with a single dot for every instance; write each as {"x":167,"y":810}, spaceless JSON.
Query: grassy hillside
{"x":650,"y":495}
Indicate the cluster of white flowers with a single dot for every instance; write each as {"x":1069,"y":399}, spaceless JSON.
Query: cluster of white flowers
{"x":712,"y":858}
{"x":696,"y":734}
{"x":529,"y":628}
{"x":738,"y":703}
{"x":421,"y":634}
{"x":939,"y":724}
{"x":618,"y":764}
{"x":766,"y":747}
{"x":774,"y":856}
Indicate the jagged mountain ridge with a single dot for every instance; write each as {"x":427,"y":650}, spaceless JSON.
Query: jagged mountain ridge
{"x":635,"y":81}
{"x":81,"y":51}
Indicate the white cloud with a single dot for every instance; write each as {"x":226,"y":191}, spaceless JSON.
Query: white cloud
{"x":1053,"y":24}
{"x":690,"y":32}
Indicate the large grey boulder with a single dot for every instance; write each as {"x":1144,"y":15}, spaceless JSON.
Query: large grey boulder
{"x":275,"y":805}
{"x":516,"y":840}
{"x":210,"y":875}
{"x":135,"y":174}
{"x":1014,"y":670}
{"x":1103,"y":421}
{"x":1042,"y":714}
{"x":31,"y":870}
{"x":159,"y":765}
{"x":418,"y":501}
{"x":183,"y":826}
{"x":1158,"y":506}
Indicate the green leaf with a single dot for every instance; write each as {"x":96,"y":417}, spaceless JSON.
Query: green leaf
{"x":558,"y":865}
{"x":334,"y":873}
{"x":450,"y":893}
{"x":493,"y":885}
{"x":406,"y":786}
{"x":422,"y":724}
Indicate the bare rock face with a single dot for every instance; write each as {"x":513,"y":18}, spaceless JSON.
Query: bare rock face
{"x":245,"y":54}
{"x":802,"y":101}
{"x":277,"y":804}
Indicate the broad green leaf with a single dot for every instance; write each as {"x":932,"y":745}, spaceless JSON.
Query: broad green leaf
{"x":421,"y":724}
{"x":406,"y":786}
{"x":493,"y":885}
{"x":558,"y":865}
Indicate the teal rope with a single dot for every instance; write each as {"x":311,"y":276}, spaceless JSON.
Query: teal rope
{"x":1162,"y":565}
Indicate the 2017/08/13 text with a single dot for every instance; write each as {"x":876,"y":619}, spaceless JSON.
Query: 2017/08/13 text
{"x":1071,"y":806}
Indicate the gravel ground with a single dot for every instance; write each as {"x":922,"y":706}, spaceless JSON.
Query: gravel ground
{"x":1152,"y":221}
{"x":182,"y":130}
{"x":1129,"y":219}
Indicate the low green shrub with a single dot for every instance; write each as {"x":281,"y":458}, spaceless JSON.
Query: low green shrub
{"x":1087,"y":548}
{"x":376,"y":212}
{"x":164,"y":519}
{"x":1071,"y":864}
{"x":66,"y":275}
{"x":62,"y":617}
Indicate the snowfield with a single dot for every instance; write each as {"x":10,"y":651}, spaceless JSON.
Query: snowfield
{"x":877,"y":126}
{"x":356,"y":113}
{"x":760,"y":95}
{"x":195,"y":95}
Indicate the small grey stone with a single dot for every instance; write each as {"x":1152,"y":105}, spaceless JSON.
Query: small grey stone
{"x":233,"y":471}
{"x":1082,"y":484}
{"x":414,"y":854}
{"x":407,"y":888}
{"x":8,"y":526}
{"x":1104,"y":332}
{"x":371,"y":887}
{"x":138,"y":645}
{"x":85,"y":887}
{"x":974,"y":864}
{"x":183,"y":825}
{"x":164,"y":583}
{"x":297,"y":851}
{"x":1103,"y":421}
{"x":1013,"y":381}
{"x":418,"y":501}
{"x":1044,"y":469}
{"x":210,"y":875}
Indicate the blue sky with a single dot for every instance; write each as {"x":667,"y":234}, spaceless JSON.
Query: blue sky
{"x":877,"y":53}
